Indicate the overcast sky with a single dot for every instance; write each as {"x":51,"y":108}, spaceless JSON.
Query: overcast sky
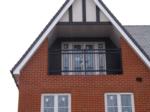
{"x":22,"y":20}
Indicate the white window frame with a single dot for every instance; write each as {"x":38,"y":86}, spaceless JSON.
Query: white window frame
{"x":70,"y":45}
{"x":56,"y":100}
{"x":119,"y":100}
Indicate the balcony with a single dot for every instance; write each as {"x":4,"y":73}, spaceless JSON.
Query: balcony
{"x":83,"y":55}
{"x":85,"y":62}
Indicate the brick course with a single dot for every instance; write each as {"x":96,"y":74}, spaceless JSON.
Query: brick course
{"x":87,"y":92}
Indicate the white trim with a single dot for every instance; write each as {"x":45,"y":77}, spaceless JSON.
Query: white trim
{"x":145,"y":60}
{"x":36,"y":46}
{"x":119,"y":100}
{"x":65,"y":17}
{"x":56,"y":100}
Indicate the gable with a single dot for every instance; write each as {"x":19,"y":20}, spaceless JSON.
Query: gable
{"x":84,"y":11}
{"x":78,"y":8}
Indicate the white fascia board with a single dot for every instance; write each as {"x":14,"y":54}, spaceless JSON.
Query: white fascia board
{"x":127,"y":38}
{"x":42,"y":38}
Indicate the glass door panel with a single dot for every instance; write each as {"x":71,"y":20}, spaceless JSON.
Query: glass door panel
{"x":77,"y":59}
{"x":101,"y":58}
{"x":65,"y":58}
{"x":83,"y":58}
{"x":89,"y":58}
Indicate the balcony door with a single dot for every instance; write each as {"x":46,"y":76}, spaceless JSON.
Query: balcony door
{"x":84,"y":58}
{"x":78,"y":58}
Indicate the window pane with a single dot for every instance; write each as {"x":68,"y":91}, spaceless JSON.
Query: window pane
{"x":89,"y":61}
{"x":101,"y":46}
{"x":78,"y":61}
{"x":48,"y":101}
{"x":77,"y":58}
{"x":112,"y":109}
{"x":77,"y":47}
{"x":126,"y":109}
{"x":48,"y":109}
{"x":65,"y":61}
{"x":126,"y":100}
{"x":89,"y":57}
{"x":66,"y":46}
{"x":62,"y":109}
{"x":65,"y":58}
{"x":63,"y":101}
{"x":111,"y":100}
{"x":101,"y":61}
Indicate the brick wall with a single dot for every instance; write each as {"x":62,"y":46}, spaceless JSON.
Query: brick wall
{"x":87,"y":92}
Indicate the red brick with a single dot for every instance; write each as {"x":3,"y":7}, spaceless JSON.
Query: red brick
{"x":87,"y":92}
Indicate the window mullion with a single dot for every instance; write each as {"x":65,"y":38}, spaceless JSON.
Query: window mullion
{"x":119,"y":102}
{"x":84,"y":60}
{"x":55,"y":103}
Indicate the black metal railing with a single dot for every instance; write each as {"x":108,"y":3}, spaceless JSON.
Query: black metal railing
{"x":94,"y":61}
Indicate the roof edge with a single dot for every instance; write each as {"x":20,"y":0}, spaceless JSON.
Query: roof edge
{"x":14,"y":79}
{"x":38,"y":38}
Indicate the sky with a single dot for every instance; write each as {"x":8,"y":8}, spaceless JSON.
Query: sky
{"x":21,"y":21}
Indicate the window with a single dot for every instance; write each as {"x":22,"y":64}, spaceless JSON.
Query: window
{"x":119,"y":102}
{"x":83,"y":58}
{"x":55,"y":103}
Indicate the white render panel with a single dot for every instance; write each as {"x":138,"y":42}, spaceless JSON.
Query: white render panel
{"x":77,"y":11}
{"x":103,"y":18}
{"x":90,"y":11}
{"x":65,"y":17}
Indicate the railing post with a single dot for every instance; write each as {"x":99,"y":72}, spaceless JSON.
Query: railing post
{"x":84,"y":53}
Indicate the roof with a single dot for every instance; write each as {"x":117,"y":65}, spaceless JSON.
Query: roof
{"x":28,"y":54}
{"x":141,"y":34}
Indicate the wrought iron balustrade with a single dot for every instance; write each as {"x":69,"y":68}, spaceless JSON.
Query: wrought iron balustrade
{"x":86,"y":61}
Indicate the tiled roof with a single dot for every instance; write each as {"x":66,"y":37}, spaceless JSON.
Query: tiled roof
{"x":141,"y":34}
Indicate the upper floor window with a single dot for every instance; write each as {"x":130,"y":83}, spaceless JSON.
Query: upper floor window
{"x":119,"y":102}
{"x":56,"y":103}
{"x":83,"y":58}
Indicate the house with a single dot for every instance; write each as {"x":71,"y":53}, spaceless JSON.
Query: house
{"x":85,"y":61}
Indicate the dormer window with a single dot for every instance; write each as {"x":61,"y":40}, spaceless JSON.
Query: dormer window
{"x":83,"y":58}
